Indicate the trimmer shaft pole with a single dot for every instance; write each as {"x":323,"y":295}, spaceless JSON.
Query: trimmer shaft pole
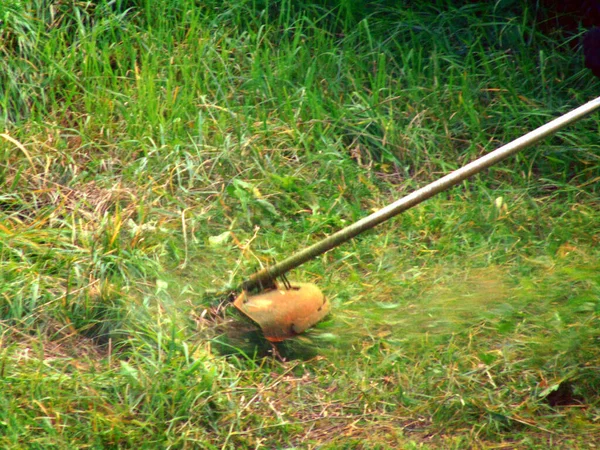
{"x":265,"y":276}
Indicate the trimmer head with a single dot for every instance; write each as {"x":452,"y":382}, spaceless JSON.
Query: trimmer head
{"x":282,"y":313}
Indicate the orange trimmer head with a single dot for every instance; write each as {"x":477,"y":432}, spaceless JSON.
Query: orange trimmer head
{"x":283,"y":312}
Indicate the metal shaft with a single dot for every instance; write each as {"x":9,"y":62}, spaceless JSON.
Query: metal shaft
{"x":265,"y":276}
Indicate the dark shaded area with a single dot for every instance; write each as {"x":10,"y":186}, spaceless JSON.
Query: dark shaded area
{"x":591,"y":50}
{"x":241,"y":339}
{"x":569,"y":14}
{"x":564,"y":395}
{"x":566,"y":17}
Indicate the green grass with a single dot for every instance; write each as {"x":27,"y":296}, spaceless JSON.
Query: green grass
{"x":153,"y":152}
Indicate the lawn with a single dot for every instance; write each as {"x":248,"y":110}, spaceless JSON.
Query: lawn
{"x":153,"y":154}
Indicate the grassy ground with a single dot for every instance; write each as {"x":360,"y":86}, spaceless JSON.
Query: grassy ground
{"x":153,"y":151}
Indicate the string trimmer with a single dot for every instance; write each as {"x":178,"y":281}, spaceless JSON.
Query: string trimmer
{"x":283,"y":310}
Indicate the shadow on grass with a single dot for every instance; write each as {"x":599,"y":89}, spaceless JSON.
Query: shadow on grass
{"x":242,"y":340}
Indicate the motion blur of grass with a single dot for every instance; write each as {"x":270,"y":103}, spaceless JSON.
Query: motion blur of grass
{"x":154,"y":150}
